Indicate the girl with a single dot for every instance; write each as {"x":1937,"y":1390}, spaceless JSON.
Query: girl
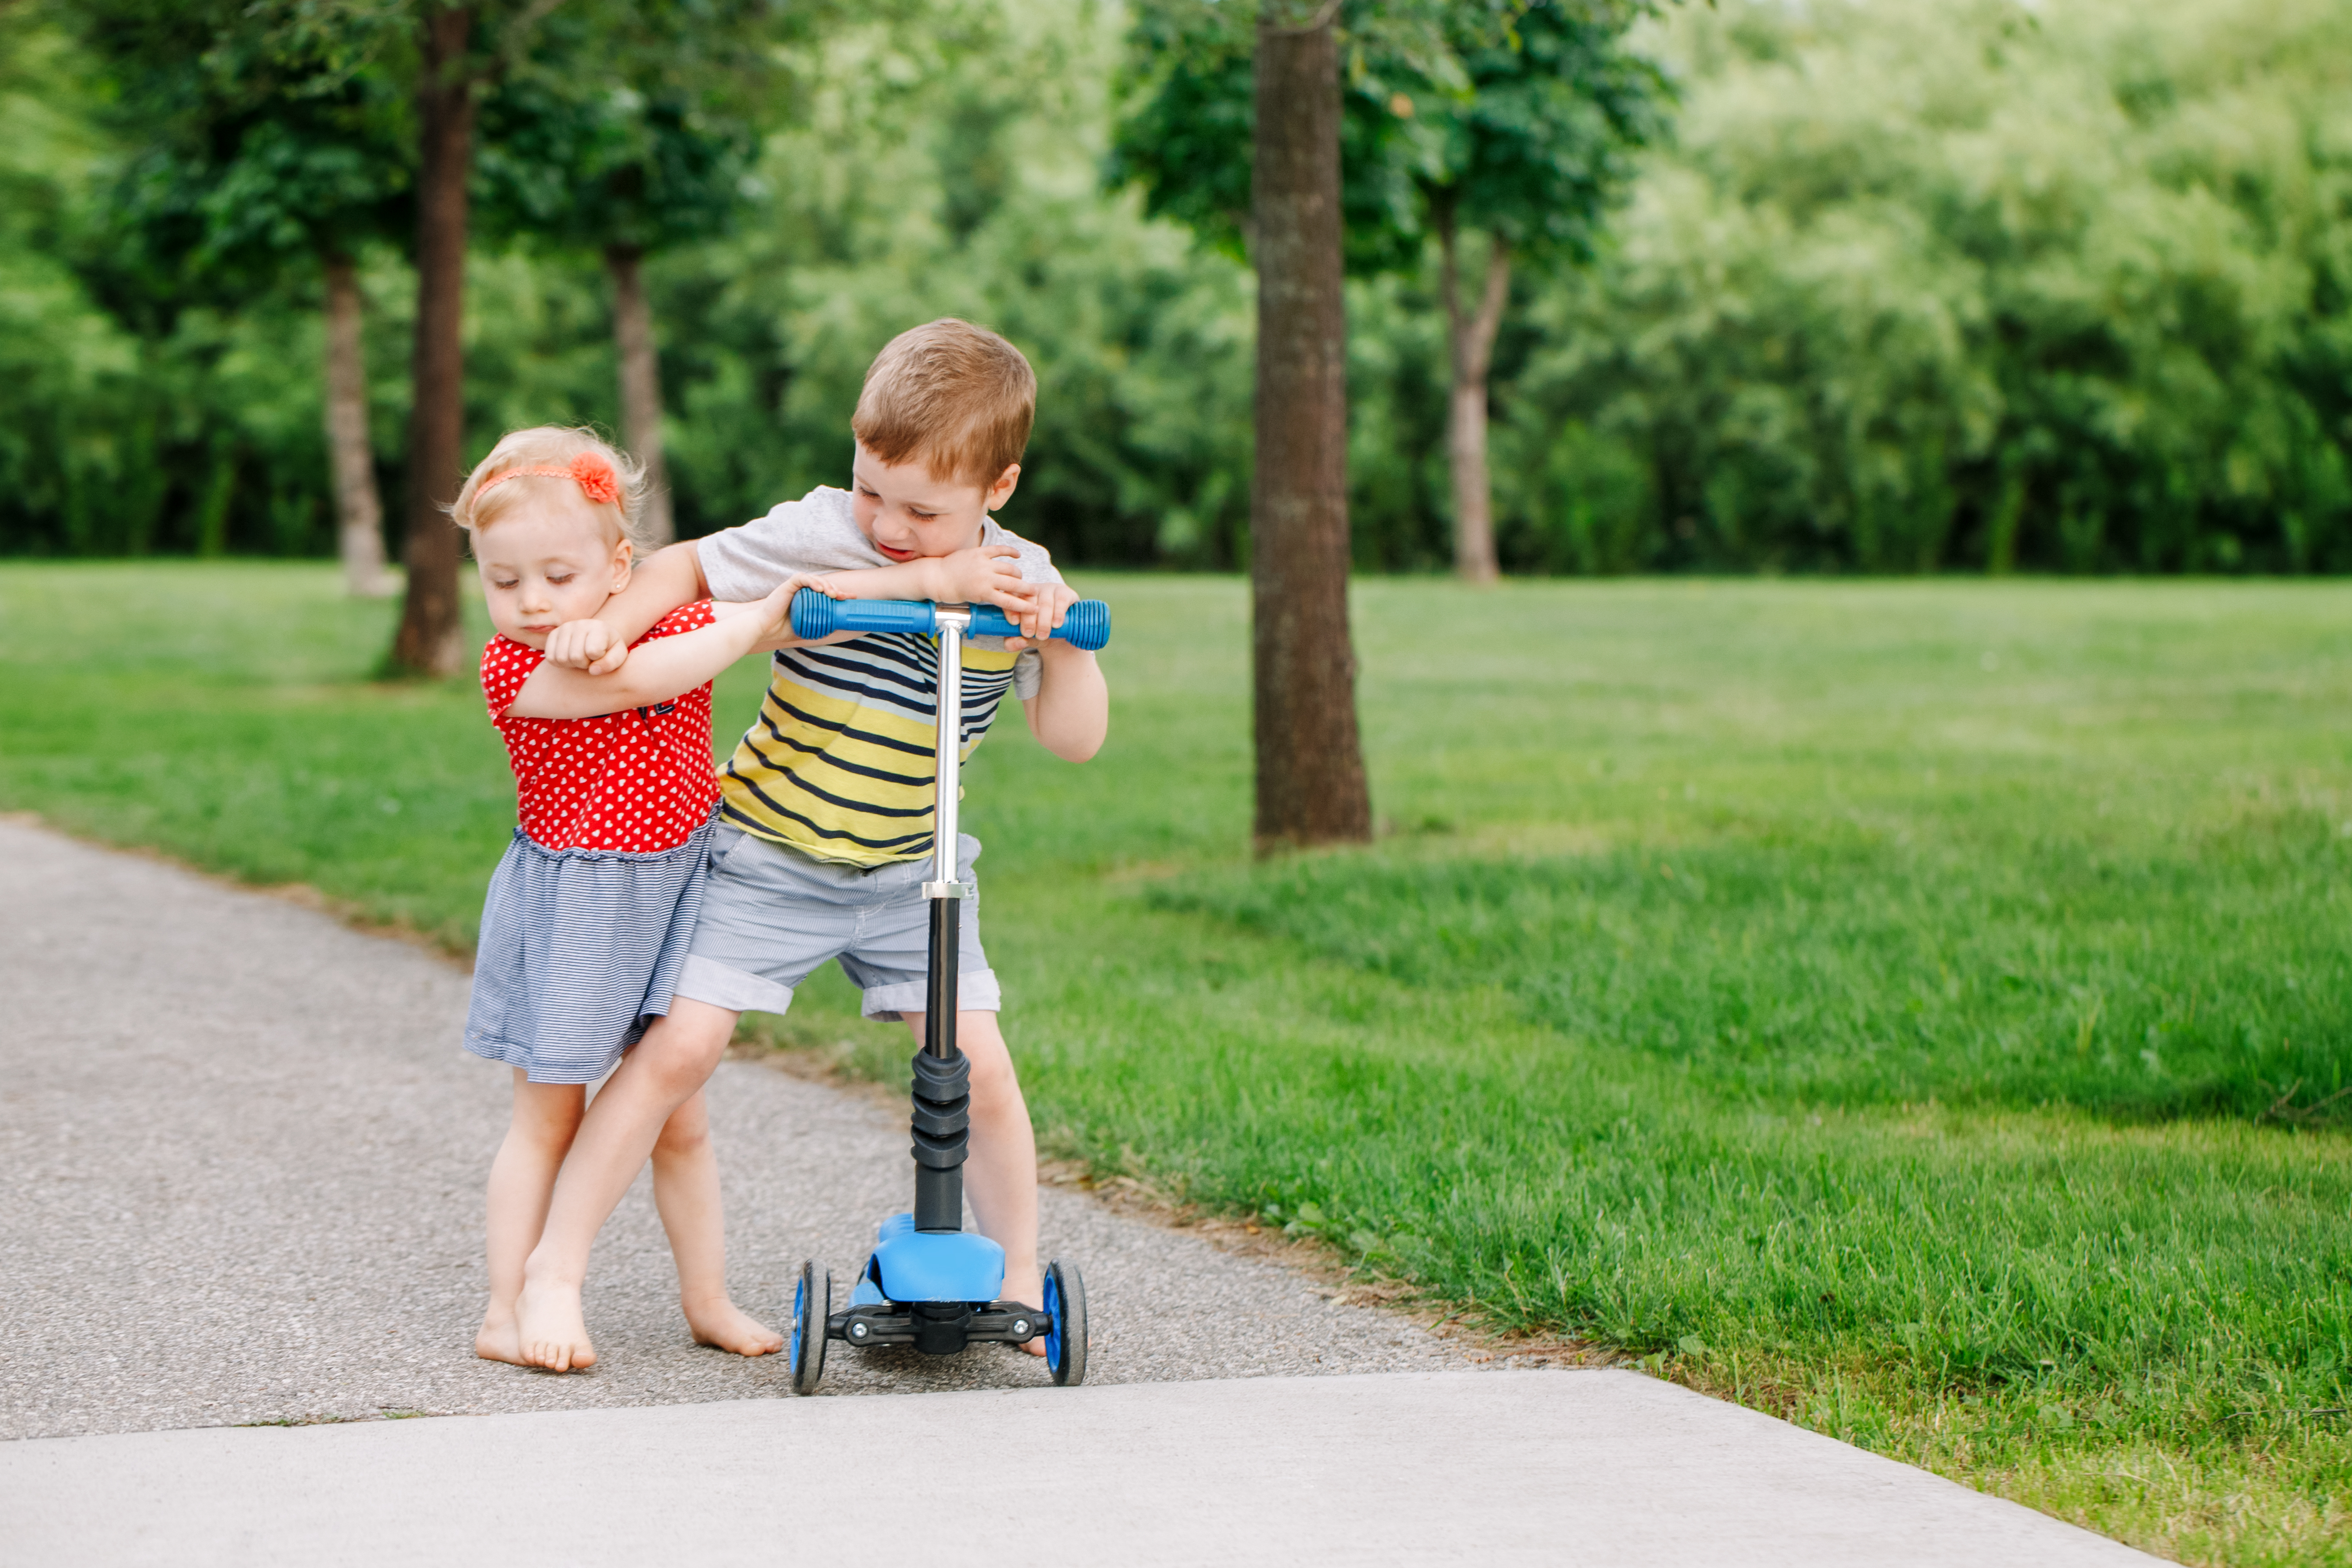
{"x":591,"y":912}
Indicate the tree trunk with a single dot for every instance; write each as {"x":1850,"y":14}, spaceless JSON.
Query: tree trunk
{"x":1310,"y":760}
{"x":1470,"y":345}
{"x":358,"y":508}
{"x":428,"y":642}
{"x":641,"y":406}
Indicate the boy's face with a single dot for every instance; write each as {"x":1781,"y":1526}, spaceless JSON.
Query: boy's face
{"x":545,"y":565}
{"x":908,"y":514}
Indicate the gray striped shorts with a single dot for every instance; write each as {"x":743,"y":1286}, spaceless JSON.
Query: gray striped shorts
{"x":580,"y":949}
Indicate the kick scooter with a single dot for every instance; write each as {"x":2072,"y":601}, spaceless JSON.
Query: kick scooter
{"x":929,"y":1282}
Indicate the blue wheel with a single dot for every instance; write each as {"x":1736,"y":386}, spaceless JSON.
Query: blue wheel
{"x":811,"y":1305}
{"x":1066,"y":1342}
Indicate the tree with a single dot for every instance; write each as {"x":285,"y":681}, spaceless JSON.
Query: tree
{"x":651,"y":151}
{"x":1310,"y":782}
{"x":1505,"y":121}
{"x":1530,"y":152}
{"x":267,"y":145}
{"x":449,"y":70}
{"x":1310,"y":759}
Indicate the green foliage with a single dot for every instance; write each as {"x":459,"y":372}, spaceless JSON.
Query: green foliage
{"x":254,"y":137}
{"x":982,"y":204}
{"x":633,"y":125}
{"x":1966,"y":287}
{"x":1539,"y":145}
{"x":188,"y":167}
{"x":2065,"y":287}
{"x":1515,"y":117}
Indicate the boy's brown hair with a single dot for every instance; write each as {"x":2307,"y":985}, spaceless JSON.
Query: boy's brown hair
{"x":949,"y":395}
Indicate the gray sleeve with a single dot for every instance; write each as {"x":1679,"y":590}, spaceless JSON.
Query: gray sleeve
{"x":1037,"y":565}
{"x":815,"y":533}
{"x":1028,"y":673}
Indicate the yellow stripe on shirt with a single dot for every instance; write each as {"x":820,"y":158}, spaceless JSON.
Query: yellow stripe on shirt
{"x":840,"y":764}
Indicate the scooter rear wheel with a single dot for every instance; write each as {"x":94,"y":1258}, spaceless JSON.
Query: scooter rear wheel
{"x":1065,"y":1343}
{"x":812,"y":1306}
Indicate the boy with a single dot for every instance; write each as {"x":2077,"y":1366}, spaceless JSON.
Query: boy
{"x":826,"y":803}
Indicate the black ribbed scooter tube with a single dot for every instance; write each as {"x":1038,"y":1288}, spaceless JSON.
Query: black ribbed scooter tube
{"x":942,"y":1121}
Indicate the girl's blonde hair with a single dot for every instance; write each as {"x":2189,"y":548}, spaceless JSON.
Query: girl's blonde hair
{"x":554,"y":455}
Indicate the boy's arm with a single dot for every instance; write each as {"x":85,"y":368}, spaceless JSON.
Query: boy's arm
{"x":1070,"y":715}
{"x":985,"y":574}
{"x":659,"y":670}
{"x":661,"y":582}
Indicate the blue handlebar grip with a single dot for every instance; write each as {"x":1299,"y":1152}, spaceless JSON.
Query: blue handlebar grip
{"x":1085,"y":623}
{"x":815,"y":616}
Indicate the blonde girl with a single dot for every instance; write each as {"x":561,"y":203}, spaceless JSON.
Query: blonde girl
{"x":592,"y":911}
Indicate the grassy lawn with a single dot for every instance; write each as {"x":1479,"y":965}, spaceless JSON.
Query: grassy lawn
{"x":1918,"y":1010}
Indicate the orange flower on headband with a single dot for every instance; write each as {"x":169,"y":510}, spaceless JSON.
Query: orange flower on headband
{"x":589,"y":470}
{"x":597,"y":480}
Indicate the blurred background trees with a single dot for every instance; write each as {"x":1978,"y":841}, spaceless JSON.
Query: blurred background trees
{"x":263,"y":150}
{"x":1504,"y":125}
{"x":1975,"y":287}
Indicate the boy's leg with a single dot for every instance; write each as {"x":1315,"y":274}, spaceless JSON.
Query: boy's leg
{"x":522,"y":1178}
{"x":999,"y":1174}
{"x":686,"y":1191}
{"x":660,"y":1073}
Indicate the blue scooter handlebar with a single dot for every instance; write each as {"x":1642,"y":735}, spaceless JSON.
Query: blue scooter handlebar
{"x":1085,"y":625}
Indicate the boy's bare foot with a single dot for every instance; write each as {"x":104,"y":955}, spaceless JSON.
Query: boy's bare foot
{"x":550,"y":1330}
{"x":498,"y":1340}
{"x":730,"y":1328}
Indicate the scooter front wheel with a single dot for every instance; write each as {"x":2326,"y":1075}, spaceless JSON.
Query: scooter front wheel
{"x":1066,"y":1342}
{"x":812,"y":1306}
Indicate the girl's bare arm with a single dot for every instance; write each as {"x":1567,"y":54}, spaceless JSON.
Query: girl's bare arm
{"x":659,"y":670}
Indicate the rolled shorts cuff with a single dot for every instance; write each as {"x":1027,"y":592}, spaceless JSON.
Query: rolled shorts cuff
{"x":976,"y":992}
{"x":723,"y":986}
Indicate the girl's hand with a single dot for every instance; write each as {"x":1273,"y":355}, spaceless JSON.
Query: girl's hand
{"x":588,"y":645}
{"x":823,"y":582}
{"x":774,"y":612}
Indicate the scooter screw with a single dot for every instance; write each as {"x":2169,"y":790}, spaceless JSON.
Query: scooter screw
{"x":857,"y":1330}
{"x":1020,"y":1325}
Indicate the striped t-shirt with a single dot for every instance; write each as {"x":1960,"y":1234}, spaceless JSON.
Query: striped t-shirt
{"x":840,"y":764}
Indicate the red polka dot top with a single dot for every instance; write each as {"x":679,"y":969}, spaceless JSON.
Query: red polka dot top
{"x":639,"y":781}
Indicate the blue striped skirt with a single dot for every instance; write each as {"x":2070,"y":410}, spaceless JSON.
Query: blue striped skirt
{"x":580,"y":949}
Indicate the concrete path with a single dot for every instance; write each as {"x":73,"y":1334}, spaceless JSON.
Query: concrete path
{"x":1550,"y":1469}
{"x":244,"y":1157}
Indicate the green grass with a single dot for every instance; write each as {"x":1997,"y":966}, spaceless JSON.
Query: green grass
{"x":1913,"y":1009}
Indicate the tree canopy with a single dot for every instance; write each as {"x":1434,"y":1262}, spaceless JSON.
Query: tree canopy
{"x":1518,"y":115}
{"x":2060,"y":287}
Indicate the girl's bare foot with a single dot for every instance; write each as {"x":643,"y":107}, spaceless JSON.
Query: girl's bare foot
{"x":498,"y":1340}
{"x":730,"y":1328}
{"x":549,"y":1327}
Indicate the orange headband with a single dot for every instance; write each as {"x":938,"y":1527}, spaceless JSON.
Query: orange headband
{"x":592,"y":473}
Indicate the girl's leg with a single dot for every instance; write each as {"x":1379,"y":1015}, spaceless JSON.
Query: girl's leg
{"x":522,"y":1178}
{"x":660,"y":1073}
{"x":686,"y":1191}
{"x":999,"y":1175}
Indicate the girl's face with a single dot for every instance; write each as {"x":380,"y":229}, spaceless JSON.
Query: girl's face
{"x":548,"y":561}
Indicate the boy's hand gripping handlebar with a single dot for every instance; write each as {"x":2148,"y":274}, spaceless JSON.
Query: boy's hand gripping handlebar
{"x":1085,"y":623}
